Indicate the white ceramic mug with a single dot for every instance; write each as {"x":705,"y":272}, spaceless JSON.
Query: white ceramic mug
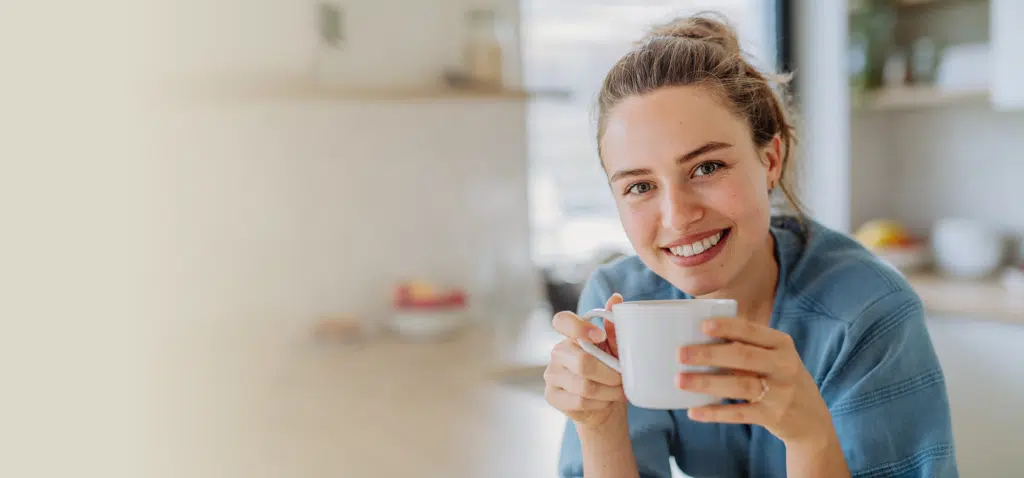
{"x":649,"y":335}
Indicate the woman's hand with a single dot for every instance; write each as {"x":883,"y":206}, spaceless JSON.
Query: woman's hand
{"x":585,"y":389}
{"x":767,"y":372}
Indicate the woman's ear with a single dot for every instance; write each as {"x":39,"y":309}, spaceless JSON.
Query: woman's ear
{"x":772,"y":154}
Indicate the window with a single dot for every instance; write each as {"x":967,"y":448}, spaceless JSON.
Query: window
{"x":572,"y":44}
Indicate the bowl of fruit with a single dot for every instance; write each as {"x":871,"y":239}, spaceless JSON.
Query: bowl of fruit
{"x":894,"y":244}
{"x":423,"y":311}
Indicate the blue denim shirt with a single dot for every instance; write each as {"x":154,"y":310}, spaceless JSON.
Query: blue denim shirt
{"x":860,"y":330}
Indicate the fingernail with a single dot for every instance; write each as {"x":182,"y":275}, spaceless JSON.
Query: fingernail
{"x":696,"y":413}
{"x":710,"y":326}
{"x":597,"y":335}
{"x":686,"y":354}
{"x":683,"y":380}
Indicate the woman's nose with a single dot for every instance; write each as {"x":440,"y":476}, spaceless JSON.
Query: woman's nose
{"x":679,"y":209}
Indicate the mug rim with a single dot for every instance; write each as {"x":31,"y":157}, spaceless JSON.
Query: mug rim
{"x":664,"y":302}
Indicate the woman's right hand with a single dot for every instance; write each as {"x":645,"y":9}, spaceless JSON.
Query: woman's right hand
{"x":581,"y":386}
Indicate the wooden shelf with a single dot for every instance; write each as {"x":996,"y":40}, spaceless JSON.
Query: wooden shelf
{"x":983,"y":299}
{"x":855,"y":7}
{"x":930,"y":3}
{"x":299,"y":90}
{"x":909,"y":98}
{"x":420,"y":94}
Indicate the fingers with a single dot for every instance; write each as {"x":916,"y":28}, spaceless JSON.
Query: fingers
{"x":563,"y":378}
{"x":572,"y":327}
{"x":569,"y":355}
{"x":564,"y":400}
{"x":740,"y":330}
{"x":576,"y":380}
{"x":727,"y":413}
{"x":611,"y":338}
{"x":741,"y":387}
{"x":734,"y":355}
{"x":616,"y":298}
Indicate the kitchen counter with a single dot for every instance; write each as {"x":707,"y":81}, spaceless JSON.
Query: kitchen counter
{"x":983,"y":299}
{"x":263,"y":401}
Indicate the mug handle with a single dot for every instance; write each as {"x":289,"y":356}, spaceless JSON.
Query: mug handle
{"x":605,"y":357}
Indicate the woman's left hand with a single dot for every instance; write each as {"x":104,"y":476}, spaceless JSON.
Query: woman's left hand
{"x":761,"y":366}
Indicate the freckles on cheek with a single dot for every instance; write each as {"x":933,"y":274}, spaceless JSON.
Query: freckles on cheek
{"x":732,"y":202}
{"x":740,"y":200}
{"x":641,"y":226}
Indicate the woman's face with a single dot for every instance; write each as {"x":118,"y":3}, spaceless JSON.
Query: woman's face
{"x":690,"y":185}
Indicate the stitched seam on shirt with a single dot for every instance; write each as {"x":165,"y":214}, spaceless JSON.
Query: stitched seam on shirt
{"x":877,"y":332}
{"x":908,"y":464}
{"x":883,"y":327}
{"x":884,"y":274}
{"x":886,"y":394}
{"x":814,"y":305}
{"x":807,"y":315}
{"x":879,"y":269}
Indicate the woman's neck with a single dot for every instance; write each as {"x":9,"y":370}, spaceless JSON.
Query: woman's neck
{"x":754,"y":289}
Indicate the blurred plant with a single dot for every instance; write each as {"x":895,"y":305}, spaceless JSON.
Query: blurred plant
{"x":872,"y":23}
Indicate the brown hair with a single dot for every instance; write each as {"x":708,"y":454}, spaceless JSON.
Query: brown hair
{"x":703,"y":50}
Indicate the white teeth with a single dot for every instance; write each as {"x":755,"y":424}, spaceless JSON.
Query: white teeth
{"x":697,"y":247}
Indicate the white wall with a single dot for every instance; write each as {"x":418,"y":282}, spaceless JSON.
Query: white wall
{"x":921,"y":166}
{"x":960,"y":161}
{"x":296,"y":208}
{"x":293,"y":210}
{"x":870,"y":168}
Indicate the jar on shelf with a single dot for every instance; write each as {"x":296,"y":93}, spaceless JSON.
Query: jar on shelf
{"x":483,"y":54}
{"x":924,"y":60}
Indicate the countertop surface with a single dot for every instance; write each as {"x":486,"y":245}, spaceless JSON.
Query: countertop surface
{"x":252,"y":403}
{"x":982,"y":299}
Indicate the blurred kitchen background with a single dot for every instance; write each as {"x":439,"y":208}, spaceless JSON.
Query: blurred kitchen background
{"x":360,"y":215}
{"x":397,"y":195}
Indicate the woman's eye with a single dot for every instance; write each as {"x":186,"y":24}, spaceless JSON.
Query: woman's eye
{"x":707,"y":168}
{"x":640,"y":188}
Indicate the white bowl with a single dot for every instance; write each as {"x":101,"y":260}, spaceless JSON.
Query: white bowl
{"x":427,"y":325}
{"x":966,"y":248}
{"x":908,"y":258}
{"x":1013,"y":280}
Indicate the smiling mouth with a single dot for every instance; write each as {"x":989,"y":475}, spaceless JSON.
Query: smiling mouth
{"x":699,"y":247}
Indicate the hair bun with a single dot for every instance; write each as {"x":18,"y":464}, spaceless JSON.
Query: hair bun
{"x":704,"y":27}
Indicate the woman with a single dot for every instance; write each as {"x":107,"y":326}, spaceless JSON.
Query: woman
{"x":832,"y":372}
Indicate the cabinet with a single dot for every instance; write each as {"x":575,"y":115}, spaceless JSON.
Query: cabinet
{"x":917,"y":153}
{"x":982,"y":41}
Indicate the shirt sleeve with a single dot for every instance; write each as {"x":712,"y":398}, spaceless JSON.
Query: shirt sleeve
{"x":887,"y":395}
{"x":651,"y":431}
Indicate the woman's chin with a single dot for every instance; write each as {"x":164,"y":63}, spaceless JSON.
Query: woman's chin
{"x":696,"y":286}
